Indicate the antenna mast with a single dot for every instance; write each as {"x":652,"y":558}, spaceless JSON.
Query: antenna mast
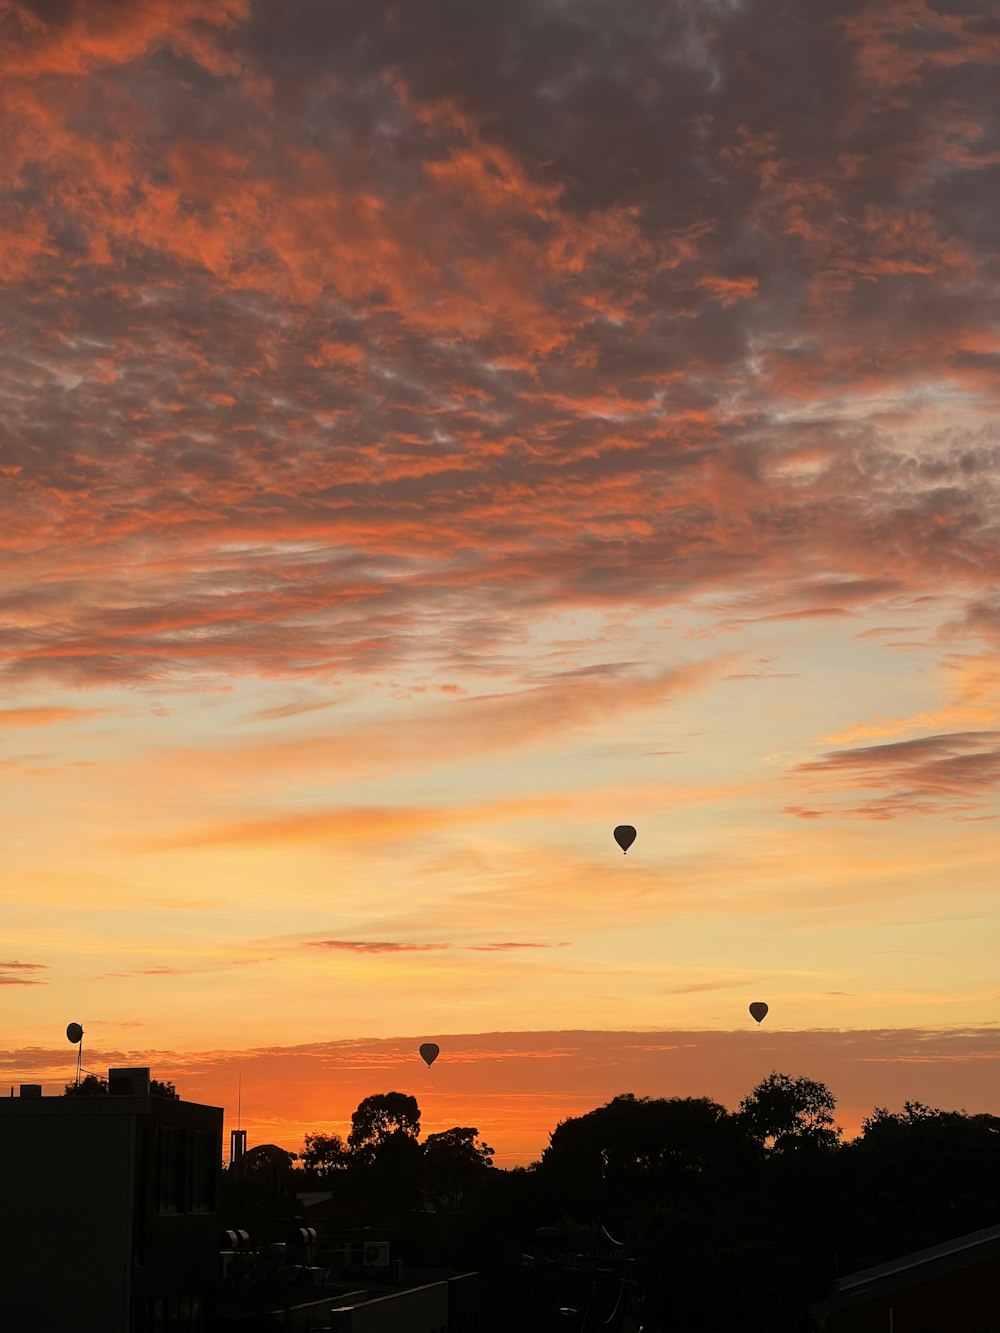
{"x":74,"y":1034}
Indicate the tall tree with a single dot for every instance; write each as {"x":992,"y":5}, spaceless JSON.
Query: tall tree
{"x":455,"y":1165}
{"x":379,"y":1117}
{"x":786,"y":1114}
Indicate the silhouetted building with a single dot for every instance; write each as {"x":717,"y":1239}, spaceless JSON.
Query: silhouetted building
{"x":950,"y":1288}
{"x":237,"y":1145}
{"x":108,"y":1211}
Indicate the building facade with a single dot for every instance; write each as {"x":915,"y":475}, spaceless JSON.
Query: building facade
{"x":108,"y":1212}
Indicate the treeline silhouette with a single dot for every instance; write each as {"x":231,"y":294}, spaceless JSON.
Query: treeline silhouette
{"x":94,"y":1085}
{"x":738,"y":1219}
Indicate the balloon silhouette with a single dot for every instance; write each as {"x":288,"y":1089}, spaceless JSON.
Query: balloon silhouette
{"x":624,"y":836}
{"x":430,"y":1052}
{"x":74,"y":1032}
{"x":758,"y":1010}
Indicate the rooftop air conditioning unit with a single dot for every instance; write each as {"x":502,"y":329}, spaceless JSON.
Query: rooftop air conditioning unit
{"x":129,"y":1082}
{"x":30,"y":1089}
{"x":366,"y":1254}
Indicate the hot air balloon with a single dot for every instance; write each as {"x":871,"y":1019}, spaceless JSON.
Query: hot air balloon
{"x":624,"y":836}
{"x":758,"y":1010}
{"x":430,"y":1052}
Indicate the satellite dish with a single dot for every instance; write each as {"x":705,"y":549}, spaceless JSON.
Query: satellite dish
{"x":74,"y":1033}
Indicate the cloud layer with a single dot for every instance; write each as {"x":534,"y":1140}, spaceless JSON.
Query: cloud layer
{"x":334,"y":339}
{"x":433,"y":434}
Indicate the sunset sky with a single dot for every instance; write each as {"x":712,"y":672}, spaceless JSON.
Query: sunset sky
{"x":436,"y":432}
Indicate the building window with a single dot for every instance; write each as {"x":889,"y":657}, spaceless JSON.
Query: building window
{"x":170,"y":1169}
{"x":203,"y":1171}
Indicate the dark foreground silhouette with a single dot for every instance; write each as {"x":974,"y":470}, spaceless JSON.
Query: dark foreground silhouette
{"x":713,"y":1219}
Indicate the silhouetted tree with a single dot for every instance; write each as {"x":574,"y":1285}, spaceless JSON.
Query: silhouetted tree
{"x":90,"y":1086}
{"x":786,"y":1114}
{"x":324,"y":1155}
{"x":455,"y":1166}
{"x":391,"y":1176}
{"x":94,"y":1086}
{"x":379,"y":1117}
{"x":626,"y":1155}
{"x":920,"y":1177}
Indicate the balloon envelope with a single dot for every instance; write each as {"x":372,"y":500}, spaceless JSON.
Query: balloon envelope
{"x":430,"y":1052}
{"x":74,"y":1032}
{"x":758,"y":1010}
{"x":624,"y":836}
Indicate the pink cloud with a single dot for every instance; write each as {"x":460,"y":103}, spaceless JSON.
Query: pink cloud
{"x":375,"y":946}
{"x":925,"y":775}
{"x":496,"y":328}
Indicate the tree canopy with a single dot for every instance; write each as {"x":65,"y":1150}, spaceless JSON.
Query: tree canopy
{"x":454,"y":1166}
{"x":324,"y":1154}
{"x":93,"y":1085}
{"x":785,"y":1114}
{"x":379,"y":1117}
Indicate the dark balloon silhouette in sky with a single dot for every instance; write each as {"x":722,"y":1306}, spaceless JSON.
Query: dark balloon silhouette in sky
{"x":758,"y":1010}
{"x":430,"y":1052}
{"x":624,"y":836}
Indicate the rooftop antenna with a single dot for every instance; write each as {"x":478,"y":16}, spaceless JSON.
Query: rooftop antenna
{"x":74,"y":1034}
{"x":239,"y":1098}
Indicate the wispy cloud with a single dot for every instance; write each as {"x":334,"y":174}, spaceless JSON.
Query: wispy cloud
{"x":516,"y":944}
{"x":10,"y":974}
{"x":376,"y":946}
{"x":924,"y":775}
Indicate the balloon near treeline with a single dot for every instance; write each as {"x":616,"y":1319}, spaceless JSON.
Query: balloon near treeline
{"x":624,"y":836}
{"x":758,"y":1010}
{"x":430,"y":1052}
